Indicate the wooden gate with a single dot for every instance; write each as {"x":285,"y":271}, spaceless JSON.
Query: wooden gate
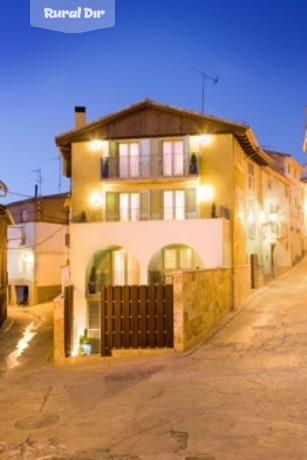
{"x":136,"y":317}
{"x":68,"y":319}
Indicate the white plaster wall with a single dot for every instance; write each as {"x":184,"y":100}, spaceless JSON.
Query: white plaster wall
{"x":51,"y":253}
{"x":143,"y":239}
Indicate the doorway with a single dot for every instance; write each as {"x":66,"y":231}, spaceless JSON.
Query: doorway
{"x":22,"y":295}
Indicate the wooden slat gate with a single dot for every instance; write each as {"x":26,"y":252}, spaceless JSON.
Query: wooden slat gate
{"x":68,"y":319}
{"x":136,"y":317}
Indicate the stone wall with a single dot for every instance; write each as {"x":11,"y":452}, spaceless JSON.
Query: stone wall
{"x":58,"y":331}
{"x":201,"y":299}
{"x":47,"y":293}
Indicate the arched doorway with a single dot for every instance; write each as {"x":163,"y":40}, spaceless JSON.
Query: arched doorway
{"x":113,"y":265}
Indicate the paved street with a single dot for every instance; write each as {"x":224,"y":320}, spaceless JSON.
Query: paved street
{"x":242,"y":395}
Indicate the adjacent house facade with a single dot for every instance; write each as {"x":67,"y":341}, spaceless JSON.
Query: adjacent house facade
{"x":288,"y":167}
{"x":37,"y":249}
{"x":157,"y":190}
{"x":5,"y":220}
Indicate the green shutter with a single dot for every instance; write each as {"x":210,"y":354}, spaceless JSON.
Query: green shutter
{"x":156,"y":159}
{"x":145,"y":204}
{"x":145,"y":157}
{"x":113,"y":160}
{"x":112,"y":206}
{"x":156,"y":205}
{"x":190,"y":203}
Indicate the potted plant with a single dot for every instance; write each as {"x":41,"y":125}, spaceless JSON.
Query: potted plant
{"x":193,"y":164}
{"x":213,"y":210}
{"x":92,"y":281}
{"x":83,"y":216}
{"x":105,"y":167}
{"x":85,"y":346}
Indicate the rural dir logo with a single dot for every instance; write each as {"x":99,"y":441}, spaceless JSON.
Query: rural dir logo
{"x":72,"y":16}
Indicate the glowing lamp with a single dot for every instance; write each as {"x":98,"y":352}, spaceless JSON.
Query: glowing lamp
{"x":95,"y":199}
{"x":205,"y":139}
{"x":273,"y":217}
{"x":206,"y":193}
{"x":95,"y":144}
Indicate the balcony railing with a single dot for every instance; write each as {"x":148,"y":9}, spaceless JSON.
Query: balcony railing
{"x":166,"y":214}
{"x":141,"y":166}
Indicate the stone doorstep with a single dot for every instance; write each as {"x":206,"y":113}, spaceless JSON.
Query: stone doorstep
{"x":133,"y":353}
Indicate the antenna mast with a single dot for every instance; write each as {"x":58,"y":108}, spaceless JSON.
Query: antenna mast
{"x":60,"y":175}
{"x":39,"y":179}
{"x":205,"y":77}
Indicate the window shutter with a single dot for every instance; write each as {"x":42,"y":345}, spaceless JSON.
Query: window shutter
{"x":156,"y":205}
{"x":155,"y":157}
{"x":145,"y":205}
{"x":112,"y":206}
{"x":170,"y":259}
{"x":190,"y":203}
{"x":113,"y":160}
{"x":186,"y":154}
{"x":145,"y":157}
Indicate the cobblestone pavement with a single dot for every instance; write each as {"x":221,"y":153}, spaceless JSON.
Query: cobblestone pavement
{"x":241,"y":395}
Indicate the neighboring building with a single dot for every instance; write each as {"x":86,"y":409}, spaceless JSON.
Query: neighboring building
{"x":304,"y":182}
{"x":37,"y":248}
{"x":275,"y":222}
{"x":287,"y":166}
{"x":156,"y":189}
{"x":5,"y":220}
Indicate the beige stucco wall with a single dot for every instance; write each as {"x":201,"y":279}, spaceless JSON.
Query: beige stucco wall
{"x":201,"y":299}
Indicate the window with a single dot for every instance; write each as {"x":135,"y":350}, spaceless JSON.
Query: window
{"x":252,"y":219}
{"x":129,"y":206}
{"x":251,"y":177}
{"x":177,"y":258}
{"x":152,"y":204}
{"x":24,"y":215}
{"x":174,"y":208}
{"x":173,"y":158}
{"x":126,"y":207}
{"x":238,"y":156}
{"x":23,"y":236}
{"x":129,"y":159}
{"x":124,"y":268}
{"x":269,"y":184}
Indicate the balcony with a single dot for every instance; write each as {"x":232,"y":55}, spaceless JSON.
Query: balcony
{"x":162,"y":214}
{"x":150,"y":166}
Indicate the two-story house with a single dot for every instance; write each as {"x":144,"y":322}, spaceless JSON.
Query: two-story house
{"x":37,"y":248}
{"x":156,"y":189}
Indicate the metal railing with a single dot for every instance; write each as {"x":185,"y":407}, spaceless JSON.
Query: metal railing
{"x":163,"y":214}
{"x":140,"y":166}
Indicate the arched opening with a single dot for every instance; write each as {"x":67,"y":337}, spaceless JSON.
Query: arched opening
{"x":169,"y":259}
{"x":113,"y":265}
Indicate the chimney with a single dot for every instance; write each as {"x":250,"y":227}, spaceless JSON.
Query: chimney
{"x":80,"y":117}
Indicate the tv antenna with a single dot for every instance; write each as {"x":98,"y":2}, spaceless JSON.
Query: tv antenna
{"x":205,"y":77}
{"x":39,"y":180}
{"x":60,"y":175}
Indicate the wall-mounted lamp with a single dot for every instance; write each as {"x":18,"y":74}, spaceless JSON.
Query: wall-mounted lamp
{"x":96,"y":144}
{"x":206,"y":193}
{"x":205,"y":139}
{"x":273,"y":217}
{"x":95,"y":199}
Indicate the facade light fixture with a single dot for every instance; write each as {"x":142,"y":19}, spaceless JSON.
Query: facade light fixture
{"x":95,"y":144}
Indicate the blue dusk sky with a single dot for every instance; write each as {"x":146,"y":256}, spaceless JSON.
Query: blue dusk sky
{"x":258,"y":48}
